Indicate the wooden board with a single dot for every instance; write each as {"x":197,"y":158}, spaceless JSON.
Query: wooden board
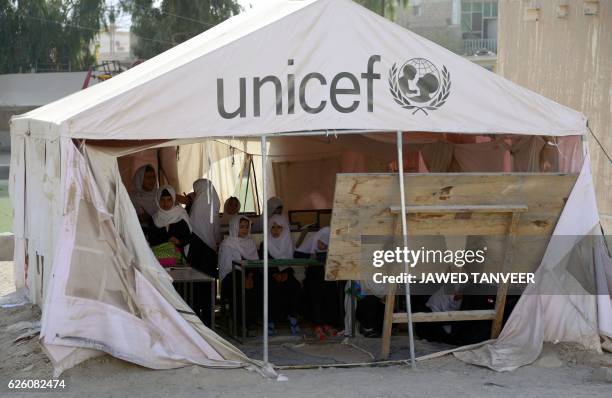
{"x":448,"y":316}
{"x":364,"y":205}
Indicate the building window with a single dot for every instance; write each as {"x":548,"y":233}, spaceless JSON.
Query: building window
{"x":476,"y":18}
{"x":417,"y":11}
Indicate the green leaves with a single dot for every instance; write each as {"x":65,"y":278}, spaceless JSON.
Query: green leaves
{"x":386,"y":8}
{"x":159,"y":28}
{"x":48,"y":35}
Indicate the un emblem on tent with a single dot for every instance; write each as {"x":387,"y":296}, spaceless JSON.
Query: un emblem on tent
{"x":419,"y":85}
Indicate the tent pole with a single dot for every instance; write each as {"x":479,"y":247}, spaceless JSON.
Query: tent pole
{"x":265,"y":248}
{"x":400,"y":163}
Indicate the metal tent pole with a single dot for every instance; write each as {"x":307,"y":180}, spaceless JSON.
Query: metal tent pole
{"x":400,"y":163}
{"x":265,"y":247}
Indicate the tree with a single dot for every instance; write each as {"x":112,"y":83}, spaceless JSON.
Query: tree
{"x":48,"y":34}
{"x":158,"y":28}
{"x":386,"y":8}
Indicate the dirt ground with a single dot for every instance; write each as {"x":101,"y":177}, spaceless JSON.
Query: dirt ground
{"x":565,"y":372}
{"x":7,"y":284}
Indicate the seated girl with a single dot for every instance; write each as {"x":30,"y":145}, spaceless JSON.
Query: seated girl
{"x":236,"y":247}
{"x":440,"y":301}
{"x":322,"y":299}
{"x":144,"y":195}
{"x":285,"y":290}
{"x":170,"y":222}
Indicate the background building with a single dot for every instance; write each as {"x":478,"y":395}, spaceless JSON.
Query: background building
{"x":563,"y":50}
{"x":114,"y":45}
{"x":466,"y":27}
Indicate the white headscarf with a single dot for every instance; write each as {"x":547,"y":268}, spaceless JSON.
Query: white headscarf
{"x":235,"y":248}
{"x":281,"y":247}
{"x":143,"y":200}
{"x":163,"y":218}
{"x":310,"y":245}
{"x":204,"y":214}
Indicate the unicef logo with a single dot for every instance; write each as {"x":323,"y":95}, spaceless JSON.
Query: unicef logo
{"x":418,"y":85}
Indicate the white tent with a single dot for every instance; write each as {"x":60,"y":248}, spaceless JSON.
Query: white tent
{"x":287,"y":67}
{"x":326,"y":56}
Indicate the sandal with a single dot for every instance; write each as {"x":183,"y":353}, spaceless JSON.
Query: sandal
{"x":330,"y":330}
{"x":319,"y":333}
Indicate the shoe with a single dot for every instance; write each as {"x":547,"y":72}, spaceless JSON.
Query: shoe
{"x":320,"y":333}
{"x":330,"y":330}
{"x":369,"y":333}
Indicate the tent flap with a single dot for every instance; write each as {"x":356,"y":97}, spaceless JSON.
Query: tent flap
{"x":562,"y":306}
{"x":98,"y":280}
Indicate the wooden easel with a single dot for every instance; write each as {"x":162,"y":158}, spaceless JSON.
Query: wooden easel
{"x":496,"y":315}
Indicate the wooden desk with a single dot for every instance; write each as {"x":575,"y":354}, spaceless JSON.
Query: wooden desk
{"x":188,"y":276}
{"x":514,"y":212}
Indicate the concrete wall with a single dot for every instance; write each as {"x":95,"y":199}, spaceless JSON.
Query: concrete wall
{"x":5,"y":117}
{"x":426,"y":14}
{"x":568,"y":59}
{"x":22,"y":92}
{"x":435,"y":20}
{"x":36,"y":89}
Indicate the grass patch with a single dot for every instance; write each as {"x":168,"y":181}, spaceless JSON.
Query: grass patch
{"x":6,"y":212}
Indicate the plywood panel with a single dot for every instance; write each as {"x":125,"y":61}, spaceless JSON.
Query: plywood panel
{"x":363,"y":206}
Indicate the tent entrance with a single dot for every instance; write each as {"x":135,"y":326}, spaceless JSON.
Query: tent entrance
{"x":303,"y":168}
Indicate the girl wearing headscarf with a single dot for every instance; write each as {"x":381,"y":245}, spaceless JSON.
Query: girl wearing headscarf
{"x":317,"y":243}
{"x":231,"y":207}
{"x":239,"y":245}
{"x":274,"y":206}
{"x":171,"y":222}
{"x":285,"y":290}
{"x":322,"y":299}
{"x":204,"y":220}
{"x":144,"y":195}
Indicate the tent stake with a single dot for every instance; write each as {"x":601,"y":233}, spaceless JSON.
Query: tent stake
{"x":400,"y":164}
{"x":265,"y":247}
